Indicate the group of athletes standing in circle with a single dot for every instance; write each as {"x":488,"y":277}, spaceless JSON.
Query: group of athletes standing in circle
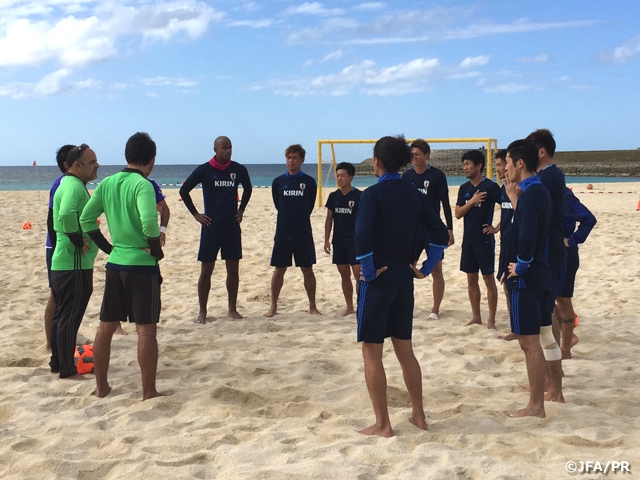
{"x":379,"y":235}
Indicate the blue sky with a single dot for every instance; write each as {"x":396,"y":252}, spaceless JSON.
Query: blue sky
{"x":271,"y":73}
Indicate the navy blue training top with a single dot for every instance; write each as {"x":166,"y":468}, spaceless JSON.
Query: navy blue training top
{"x":432,"y":183}
{"x":481,"y":213}
{"x":528,"y":237}
{"x":553,"y":178}
{"x":294,"y":197}
{"x":344,"y":209}
{"x":575,"y":213}
{"x":220,"y":191}
{"x":506,"y":212}
{"x":388,"y":220}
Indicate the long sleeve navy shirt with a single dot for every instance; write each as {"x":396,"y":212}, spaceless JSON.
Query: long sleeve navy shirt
{"x":553,"y":178}
{"x":387,"y":222}
{"x":576,"y":213}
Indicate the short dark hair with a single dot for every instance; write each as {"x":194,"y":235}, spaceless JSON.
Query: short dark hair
{"x":296,"y":148}
{"x":421,"y":145}
{"x":393,"y":152}
{"x":502,"y":153}
{"x":61,"y":156}
{"x":75,"y":154}
{"x":140,"y":149}
{"x":475,"y":156}
{"x":526,"y":151}
{"x":543,"y":138}
{"x":350,"y":169}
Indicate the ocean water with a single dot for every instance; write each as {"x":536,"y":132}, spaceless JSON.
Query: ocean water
{"x":41,"y":178}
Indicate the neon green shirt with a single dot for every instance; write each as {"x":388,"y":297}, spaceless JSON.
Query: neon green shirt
{"x":129,"y":203}
{"x":68,"y":202}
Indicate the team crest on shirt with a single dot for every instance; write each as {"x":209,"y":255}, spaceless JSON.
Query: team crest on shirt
{"x":303,"y":186}
{"x":426,"y":184}
{"x":232,"y":176}
{"x":351,"y":203}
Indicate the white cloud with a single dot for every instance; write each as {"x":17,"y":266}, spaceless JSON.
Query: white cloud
{"x":337,"y":55}
{"x":542,"y":58}
{"x":624,"y":53}
{"x":313,"y":8}
{"x":370,"y":6}
{"x":267,"y":22}
{"x":168,"y":82}
{"x":369,"y":78}
{"x":55,"y":83}
{"x":151,"y":95}
{"x":74,"y":33}
{"x":511,"y":87}
{"x":470,"y":62}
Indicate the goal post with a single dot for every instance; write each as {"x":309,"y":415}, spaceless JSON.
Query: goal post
{"x":443,"y":151}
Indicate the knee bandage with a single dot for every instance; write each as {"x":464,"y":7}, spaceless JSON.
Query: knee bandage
{"x":549,"y":346}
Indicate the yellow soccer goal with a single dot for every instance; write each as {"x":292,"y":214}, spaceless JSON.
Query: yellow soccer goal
{"x":446,"y":154}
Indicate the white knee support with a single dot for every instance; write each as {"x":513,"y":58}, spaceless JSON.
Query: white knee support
{"x":549,"y":346}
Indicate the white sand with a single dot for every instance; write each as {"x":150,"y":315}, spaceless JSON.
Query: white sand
{"x":283,"y":397}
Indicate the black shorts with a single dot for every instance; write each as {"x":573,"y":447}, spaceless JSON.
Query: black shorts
{"x":131,"y":295}
{"x":478,"y":257}
{"x":420,"y":247}
{"x":226,"y":239}
{"x":344,"y":254}
{"x":529,"y":311}
{"x":569,"y":280}
{"x":385,"y":306}
{"x":301,"y":248}
{"x":49,"y":256}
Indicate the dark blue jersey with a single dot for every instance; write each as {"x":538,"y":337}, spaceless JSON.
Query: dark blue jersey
{"x":388,"y":219}
{"x":481,"y":213}
{"x":553,"y":178}
{"x":528,"y":237}
{"x":506,"y":213}
{"x":156,"y":188}
{"x":294,"y":197}
{"x":344,"y":209}
{"x":432,"y":183}
{"x":576,"y":213}
{"x":220,"y":191}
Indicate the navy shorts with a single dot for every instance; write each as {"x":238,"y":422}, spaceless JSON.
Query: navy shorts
{"x":569,"y":280}
{"x":344,"y":254}
{"x":131,"y":295}
{"x":419,"y":247}
{"x":385,"y":306}
{"x":49,"y":256}
{"x":529,"y":310}
{"x":478,"y":257}
{"x":225,"y":238}
{"x":301,"y":248}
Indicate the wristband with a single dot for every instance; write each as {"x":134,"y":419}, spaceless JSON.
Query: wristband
{"x":163,"y":229}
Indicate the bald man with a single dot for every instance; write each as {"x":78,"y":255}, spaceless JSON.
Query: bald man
{"x":220,"y":221}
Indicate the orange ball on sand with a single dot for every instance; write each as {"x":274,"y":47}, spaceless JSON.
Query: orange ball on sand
{"x":589,"y":187}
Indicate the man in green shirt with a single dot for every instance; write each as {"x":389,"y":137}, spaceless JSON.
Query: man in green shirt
{"x":72,"y":260}
{"x":132,"y":283}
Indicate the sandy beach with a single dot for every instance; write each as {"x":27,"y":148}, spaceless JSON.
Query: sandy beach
{"x":282,"y":398}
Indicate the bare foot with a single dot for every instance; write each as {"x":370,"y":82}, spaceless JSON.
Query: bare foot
{"x":574,"y":340}
{"x":527,"y":412}
{"x":348,"y":311}
{"x":491,"y":325}
{"x":119,"y":330}
{"x":376,"y":430}
{"x":234,"y":314}
{"x":272,"y":311}
{"x":314,"y":311}
{"x":508,"y":337}
{"x":155,"y":393}
{"x":102,"y":392}
{"x":557,"y":397}
{"x":566,"y":354}
{"x":202,"y":318}
{"x":474,"y":321}
{"x":419,"y":422}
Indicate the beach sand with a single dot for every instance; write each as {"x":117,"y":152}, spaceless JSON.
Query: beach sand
{"x":282,"y":398}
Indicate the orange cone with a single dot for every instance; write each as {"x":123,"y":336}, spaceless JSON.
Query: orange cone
{"x":26,"y":225}
{"x":577,"y":320}
{"x":638,"y":209}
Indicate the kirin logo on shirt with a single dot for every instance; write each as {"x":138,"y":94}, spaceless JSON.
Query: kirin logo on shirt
{"x":351,"y":203}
